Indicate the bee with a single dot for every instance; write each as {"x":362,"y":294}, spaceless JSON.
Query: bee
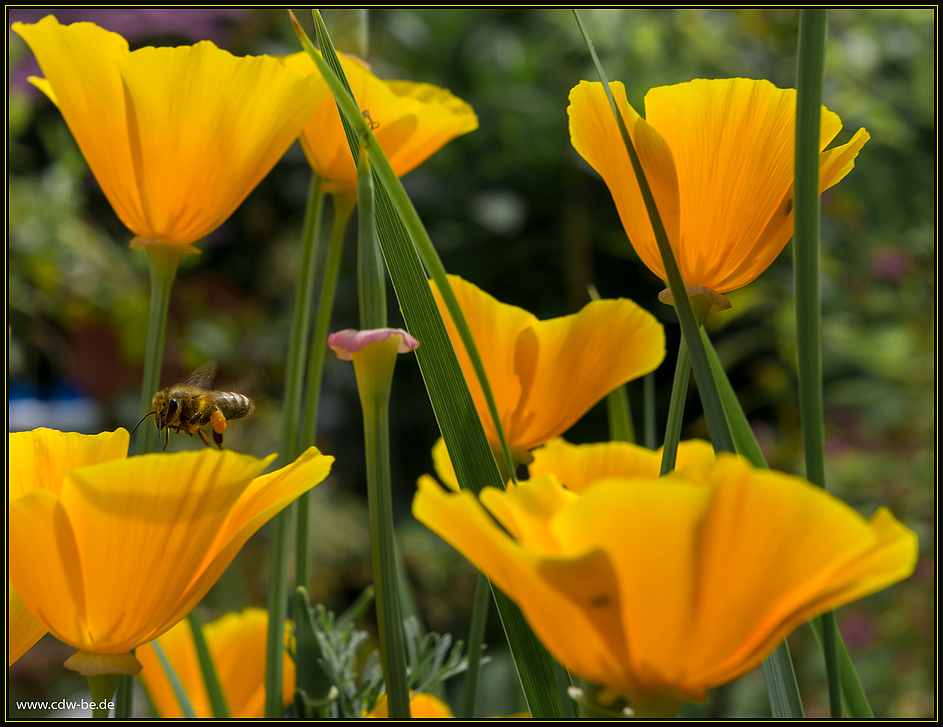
{"x":191,"y":406}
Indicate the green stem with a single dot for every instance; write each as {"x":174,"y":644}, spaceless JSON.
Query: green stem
{"x":706,"y":386}
{"x":163,"y":259}
{"x":374,"y":379}
{"x":343,"y":206}
{"x":679,"y":392}
{"x":124,"y":697}
{"x":288,"y":452}
{"x":809,"y":81}
{"x":213,"y":689}
{"x":175,"y":684}
{"x":620,"y":415}
{"x":102,"y":688}
{"x":650,"y":423}
{"x":476,"y":636}
{"x":374,"y":383}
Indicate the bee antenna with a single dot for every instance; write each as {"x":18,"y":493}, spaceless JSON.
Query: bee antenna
{"x":142,"y":419}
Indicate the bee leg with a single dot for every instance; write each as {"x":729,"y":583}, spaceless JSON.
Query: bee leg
{"x":219,"y":426}
{"x":166,"y":439}
{"x":203,"y":437}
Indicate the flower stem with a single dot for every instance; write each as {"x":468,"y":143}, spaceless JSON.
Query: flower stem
{"x":176,"y":685}
{"x":343,"y":206}
{"x":213,"y":689}
{"x":294,"y":375}
{"x":650,"y":423}
{"x":102,"y":688}
{"x":809,"y":81}
{"x":679,"y":392}
{"x":374,"y":371}
{"x":163,"y":259}
{"x":476,"y":635}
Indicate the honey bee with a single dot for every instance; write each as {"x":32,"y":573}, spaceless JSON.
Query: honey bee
{"x":191,"y":406}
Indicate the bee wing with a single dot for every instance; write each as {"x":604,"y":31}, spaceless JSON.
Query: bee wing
{"x":203,"y":377}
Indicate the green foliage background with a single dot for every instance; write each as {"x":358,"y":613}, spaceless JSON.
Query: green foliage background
{"x":514,"y":209}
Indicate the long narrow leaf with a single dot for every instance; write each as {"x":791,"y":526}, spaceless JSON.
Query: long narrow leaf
{"x":448,"y":392}
{"x":809,"y":81}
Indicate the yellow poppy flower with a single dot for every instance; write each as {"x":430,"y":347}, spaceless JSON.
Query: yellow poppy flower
{"x":109,"y":556}
{"x":421,"y":706}
{"x":411,"y":121}
{"x":578,"y":466}
{"x":546,"y":374}
{"x":664,"y":588}
{"x":719,"y":157}
{"x":176,"y":137}
{"x":236,"y":643}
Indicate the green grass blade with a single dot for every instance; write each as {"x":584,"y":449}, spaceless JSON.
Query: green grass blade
{"x":809,"y":82}
{"x":400,"y":230}
{"x":784,"y":699}
{"x":213,"y":690}
{"x":175,"y":684}
{"x":706,"y":386}
{"x":679,"y":392}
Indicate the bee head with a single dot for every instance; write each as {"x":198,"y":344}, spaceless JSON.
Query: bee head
{"x":165,"y":408}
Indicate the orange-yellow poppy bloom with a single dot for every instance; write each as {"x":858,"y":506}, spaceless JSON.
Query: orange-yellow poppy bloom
{"x":546,"y":374}
{"x":662,"y":588}
{"x":719,"y":157}
{"x":176,"y":137}
{"x":236,"y":643}
{"x":421,"y":706}
{"x":578,"y":466}
{"x":109,"y":556}
{"x":411,"y":121}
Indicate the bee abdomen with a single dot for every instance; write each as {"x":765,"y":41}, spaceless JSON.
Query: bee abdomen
{"x":233,"y":405}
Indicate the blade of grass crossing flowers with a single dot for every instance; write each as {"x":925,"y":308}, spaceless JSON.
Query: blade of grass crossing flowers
{"x":288,"y":450}
{"x":213,"y":691}
{"x":707,"y":388}
{"x":350,"y":115}
{"x":179,"y":692}
{"x":400,"y":232}
{"x":809,"y":81}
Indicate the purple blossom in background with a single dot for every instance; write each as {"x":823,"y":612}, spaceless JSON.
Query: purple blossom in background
{"x":892,"y":265}
{"x":136,"y":26}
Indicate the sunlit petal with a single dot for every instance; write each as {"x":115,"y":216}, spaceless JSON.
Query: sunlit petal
{"x":719,"y":157}
{"x":580,"y":593}
{"x":23,"y":630}
{"x":495,"y":327}
{"x":708,"y":568}
{"x":567,"y":364}
{"x":580,"y":465}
